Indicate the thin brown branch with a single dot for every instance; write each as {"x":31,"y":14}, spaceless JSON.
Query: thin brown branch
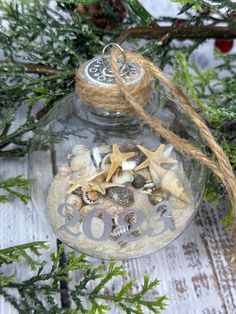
{"x":16,"y":152}
{"x":35,"y":68}
{"x":181,"y":32}
{"x":5,"y":129}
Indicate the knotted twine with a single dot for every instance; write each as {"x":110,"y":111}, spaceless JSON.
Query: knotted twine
{"x":130,"y":99}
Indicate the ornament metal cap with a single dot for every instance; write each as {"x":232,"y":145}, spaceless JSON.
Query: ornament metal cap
{"x":98,"y":71}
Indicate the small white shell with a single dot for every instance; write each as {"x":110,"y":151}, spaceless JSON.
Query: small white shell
{"x":97,"y":227}
{"x":64,"y":169}
{"x":148,"y":187}
{"x":128,"y":165}
{"x":168,"y":151}
{"x":119,"y":231}
{"x":74,"y":200}
{"x":81,"y":162}
{"x":90,"y":197}
{"x":99,"y":152}
{"x":171,"y":183}
{"x":79,"y":149}
{"x":122,"y":177}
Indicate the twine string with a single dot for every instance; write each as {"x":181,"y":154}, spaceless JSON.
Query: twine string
{"x":132,"y":98}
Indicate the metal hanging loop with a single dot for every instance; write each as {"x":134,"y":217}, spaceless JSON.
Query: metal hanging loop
{"x":125,"y":67}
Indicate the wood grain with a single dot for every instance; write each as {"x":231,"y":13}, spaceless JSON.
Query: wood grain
{"x":20,"y":223}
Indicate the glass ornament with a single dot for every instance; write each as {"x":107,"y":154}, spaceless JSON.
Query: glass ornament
{"x":106,"y":183}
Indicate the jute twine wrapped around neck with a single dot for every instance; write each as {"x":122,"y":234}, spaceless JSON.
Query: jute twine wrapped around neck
{"x":130,"y":99}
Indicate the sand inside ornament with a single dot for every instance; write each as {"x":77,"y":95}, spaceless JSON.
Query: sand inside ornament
{"x":120,"y":201}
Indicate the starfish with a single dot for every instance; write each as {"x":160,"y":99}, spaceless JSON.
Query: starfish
{"x":116,"y":159}
{"x":83,"y":182}
{"x":101,"y":187}
{"x":156,"y":156}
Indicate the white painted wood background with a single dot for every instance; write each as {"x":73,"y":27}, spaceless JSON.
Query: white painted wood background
{"x":194,"y":270}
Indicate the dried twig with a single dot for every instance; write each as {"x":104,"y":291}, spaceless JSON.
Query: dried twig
{"x":182,"y":32}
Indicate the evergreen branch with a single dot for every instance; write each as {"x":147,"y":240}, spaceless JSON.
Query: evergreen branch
{"x":13,"y":254}
{"x":9,"y":186}
{"x":34,"y":290}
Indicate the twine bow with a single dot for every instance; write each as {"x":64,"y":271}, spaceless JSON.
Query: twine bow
{"x":131,"y":99}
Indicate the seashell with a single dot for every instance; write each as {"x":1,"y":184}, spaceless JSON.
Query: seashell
{"x":138,"y":181}
{"x":84,"y":210}
{"x":121,"y":196}
{"x":119,"y":231}
{"x":97,"y":227}
{"x":148,"y":187}
{"x":168,"y":151}
{"x":128,"y":164}
{"x":122,"y":243}
{"x":157,"y":196}
{"x":98,"y":153}
{"x":74,"y":200}
{"x":90,"y":197}
{"x":79,"y":149}
{"x":80,"y":162}
{"x":130,"y":219}
{"x":136,"y":233}
{"x":132,"y":163}
{"x":129,"y":146}
{"x":64,"y":169}
{"x":171,"y":183}
{"x":157,"y":172}
{"x":122,"y":177}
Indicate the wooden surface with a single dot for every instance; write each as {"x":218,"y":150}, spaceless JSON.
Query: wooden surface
{"x":193,"y":270}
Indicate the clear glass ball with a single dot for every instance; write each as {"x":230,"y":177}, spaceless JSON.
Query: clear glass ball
{"x":108,"y":185}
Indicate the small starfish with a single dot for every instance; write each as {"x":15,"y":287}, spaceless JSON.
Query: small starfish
{"x":156,"y":156}
{"x":83,"y":182}
{"x":101,"y":187}
{"x":116,"y":159}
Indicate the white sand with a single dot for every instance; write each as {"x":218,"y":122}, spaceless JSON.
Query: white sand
{"x":109,"y":249}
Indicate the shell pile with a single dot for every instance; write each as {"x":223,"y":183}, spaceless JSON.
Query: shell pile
{"x":110,"y":177}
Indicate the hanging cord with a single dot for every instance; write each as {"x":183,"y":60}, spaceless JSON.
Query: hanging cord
{"x":129,"y":99}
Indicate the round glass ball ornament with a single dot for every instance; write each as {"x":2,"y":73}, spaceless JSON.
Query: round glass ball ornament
{"x":108,"y":185}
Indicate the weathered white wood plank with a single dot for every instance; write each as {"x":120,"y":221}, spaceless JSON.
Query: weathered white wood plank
{"x":21,"y":223}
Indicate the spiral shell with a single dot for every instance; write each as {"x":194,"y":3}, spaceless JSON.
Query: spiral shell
{"x":130,"y":219}
{"x":172,"y":184}
{"x":148,"y":187}
{"x":119,"y":231}
{"x":90,"y":197}
{"x":157,"y":196}
{"x":122,"y":243}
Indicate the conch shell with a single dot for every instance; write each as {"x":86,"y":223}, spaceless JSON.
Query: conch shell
{"x":172,"y":184}
{"x":169,"y":181}
{"x":157,"y":173}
